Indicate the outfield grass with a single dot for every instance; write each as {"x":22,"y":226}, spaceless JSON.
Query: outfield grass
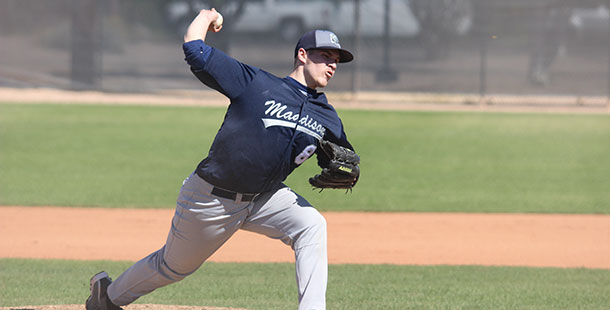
{"x":137,"y":156}
{"x":272,"y":286}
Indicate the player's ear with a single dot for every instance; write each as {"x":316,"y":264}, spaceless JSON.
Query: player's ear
{"x":301,"y":56}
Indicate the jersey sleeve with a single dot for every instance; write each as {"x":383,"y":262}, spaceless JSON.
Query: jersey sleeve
{"x":217,"y":70}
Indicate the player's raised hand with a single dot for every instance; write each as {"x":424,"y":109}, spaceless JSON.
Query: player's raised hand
{"x":217,"y":22}
{"x":206,"y":20}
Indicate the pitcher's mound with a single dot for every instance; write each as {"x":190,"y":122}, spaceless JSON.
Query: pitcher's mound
{"x":130,"y":307}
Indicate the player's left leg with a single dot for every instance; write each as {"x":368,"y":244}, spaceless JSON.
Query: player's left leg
{"x":285,"y":215}
{"x":201,"y":224}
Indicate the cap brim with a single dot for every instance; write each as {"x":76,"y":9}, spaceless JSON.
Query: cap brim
{"x":344,"y":55}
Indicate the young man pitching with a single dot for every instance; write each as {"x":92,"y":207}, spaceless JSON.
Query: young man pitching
{"x":271,"y":126}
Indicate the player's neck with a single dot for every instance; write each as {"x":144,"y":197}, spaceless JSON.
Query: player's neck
{"x":299,"y":76}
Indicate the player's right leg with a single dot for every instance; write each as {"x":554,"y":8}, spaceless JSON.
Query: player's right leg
{"x":285,"y":215}
{"x":201,"y":224}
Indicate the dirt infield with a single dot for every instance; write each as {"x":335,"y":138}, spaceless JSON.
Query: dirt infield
{"x":341,"y":100}
{"x":354,"y":238}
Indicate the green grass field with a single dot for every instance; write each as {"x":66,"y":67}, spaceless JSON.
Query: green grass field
{"x":271,"y":286}
{"x":137,"y":156}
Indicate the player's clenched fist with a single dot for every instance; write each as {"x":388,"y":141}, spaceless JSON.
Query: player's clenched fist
{"x":206,"y":20}
{"x":217,"y":22}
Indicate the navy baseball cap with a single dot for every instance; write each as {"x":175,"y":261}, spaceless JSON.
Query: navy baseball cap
{"x":323,"y":39}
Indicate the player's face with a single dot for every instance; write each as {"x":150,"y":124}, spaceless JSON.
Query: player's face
{"x":320,"y":67}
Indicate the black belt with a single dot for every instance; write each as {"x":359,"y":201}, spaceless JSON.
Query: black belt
{"x":232,"y":195}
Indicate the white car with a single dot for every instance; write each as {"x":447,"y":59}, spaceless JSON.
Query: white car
{"x":288,"y":18}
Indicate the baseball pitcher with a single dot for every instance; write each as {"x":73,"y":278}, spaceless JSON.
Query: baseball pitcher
{"x":272,"y":125}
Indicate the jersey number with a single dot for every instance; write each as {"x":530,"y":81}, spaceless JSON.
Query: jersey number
{"x":307,"y":152}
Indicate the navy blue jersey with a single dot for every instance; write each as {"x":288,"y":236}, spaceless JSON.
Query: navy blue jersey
{"x":272,"y":124}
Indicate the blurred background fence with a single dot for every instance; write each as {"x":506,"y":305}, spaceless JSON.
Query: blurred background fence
{"x":484,"y":48}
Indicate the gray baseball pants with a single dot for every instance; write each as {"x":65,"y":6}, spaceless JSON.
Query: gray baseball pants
{"x":203,"y":222}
